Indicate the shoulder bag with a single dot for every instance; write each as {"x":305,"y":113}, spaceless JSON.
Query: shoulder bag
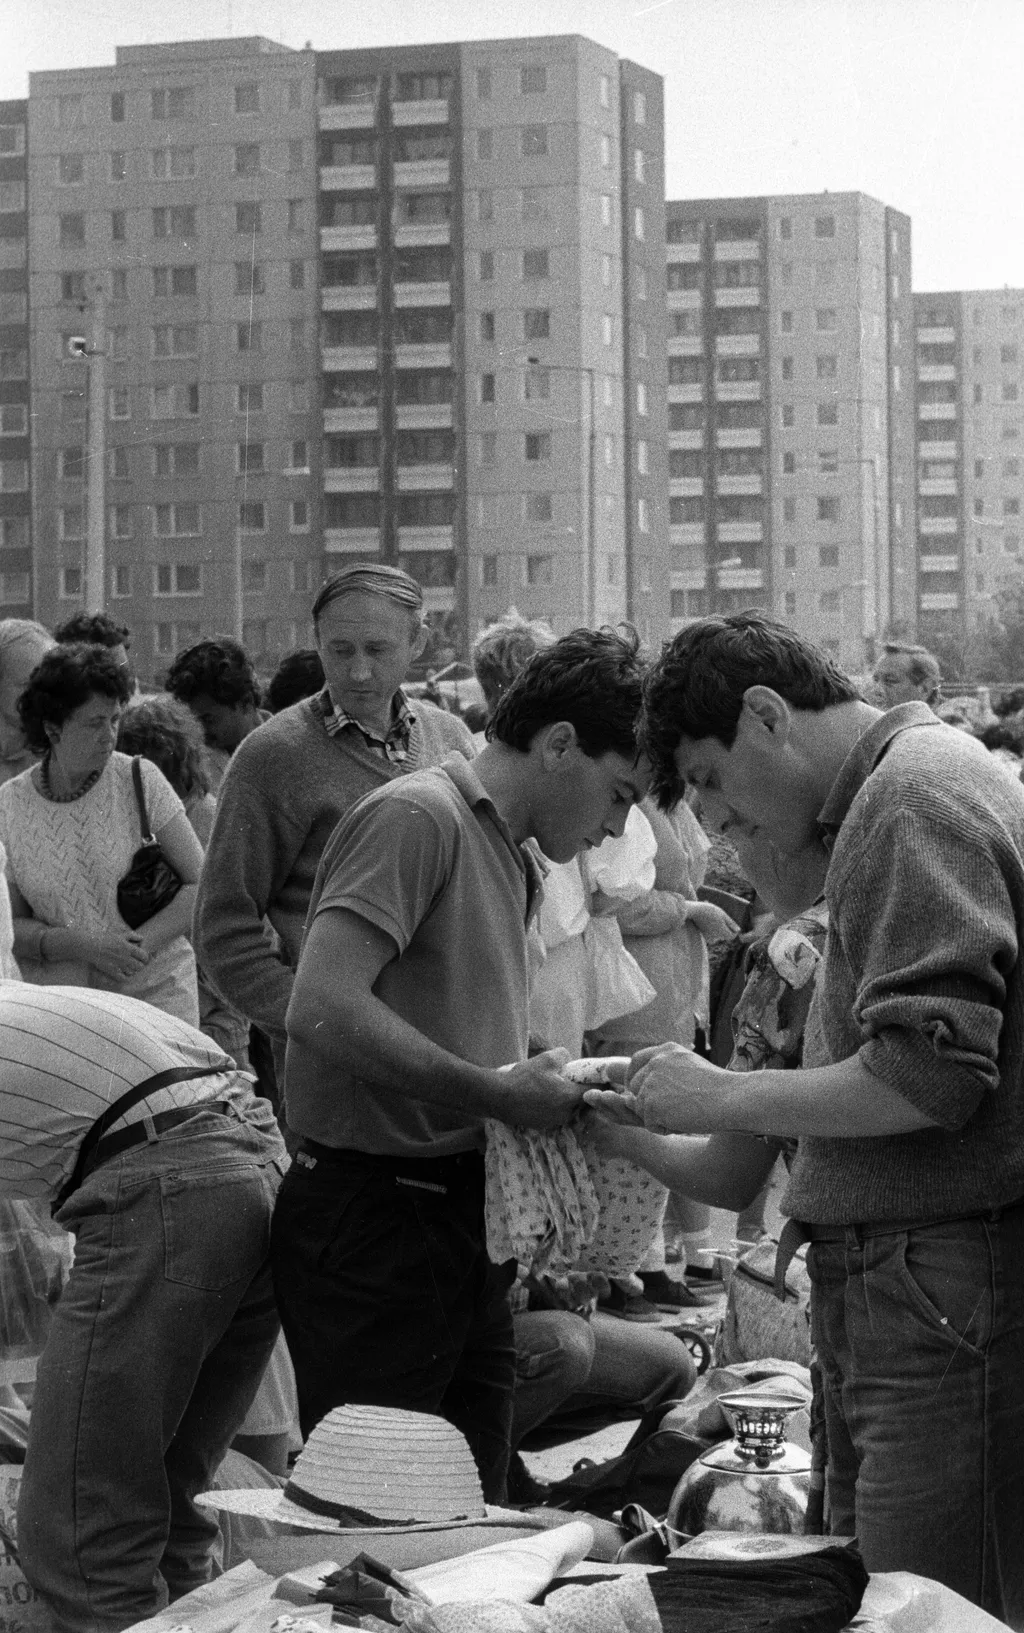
{"x":151,"y":882}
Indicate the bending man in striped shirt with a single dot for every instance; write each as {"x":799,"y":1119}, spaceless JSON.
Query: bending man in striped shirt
{"x":164,"y":1328}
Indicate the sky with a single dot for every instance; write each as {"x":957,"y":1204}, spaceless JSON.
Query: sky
{"x":916,"y":102}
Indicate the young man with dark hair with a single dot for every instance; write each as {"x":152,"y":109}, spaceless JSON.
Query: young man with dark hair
{"x":216,"y":680}
{"x":409,"y":999}
{"x":909,"y":1175}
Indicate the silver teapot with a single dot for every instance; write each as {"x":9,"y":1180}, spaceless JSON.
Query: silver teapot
{"x":758,"y":1481}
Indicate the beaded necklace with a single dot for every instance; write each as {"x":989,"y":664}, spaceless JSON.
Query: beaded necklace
{"x":65,"y":799}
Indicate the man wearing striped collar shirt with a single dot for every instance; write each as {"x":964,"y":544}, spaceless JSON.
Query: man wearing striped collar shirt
{"x":163,"y":1330}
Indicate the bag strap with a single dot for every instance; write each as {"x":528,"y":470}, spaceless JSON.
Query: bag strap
{"x":140,"y":799}
{"x":117,"y":1108}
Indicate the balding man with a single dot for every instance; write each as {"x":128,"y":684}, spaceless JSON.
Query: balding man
{"x":906,"y":674}
{"x":291,"y":781}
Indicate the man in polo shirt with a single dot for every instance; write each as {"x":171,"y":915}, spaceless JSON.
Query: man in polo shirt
{"x":909,"y":1174}
{"x":165,"y":1326}
{"x":409,"y":998}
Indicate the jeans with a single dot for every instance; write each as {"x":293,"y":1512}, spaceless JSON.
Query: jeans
{"x":388,"y":1298}
{"x":920,"y":1340}
{"x":564,"y":1361}
{"x":155,"y":1353}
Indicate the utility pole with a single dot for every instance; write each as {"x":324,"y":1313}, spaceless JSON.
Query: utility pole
{"x":95,"y":587}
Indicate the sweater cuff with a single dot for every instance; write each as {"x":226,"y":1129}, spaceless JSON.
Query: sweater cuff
{"x":916,"y":1066}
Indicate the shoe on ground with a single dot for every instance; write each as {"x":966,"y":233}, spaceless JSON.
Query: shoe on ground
{"x":628,"y":1306}
{"x":661,"y":1290}
{"x":523,"y":1489}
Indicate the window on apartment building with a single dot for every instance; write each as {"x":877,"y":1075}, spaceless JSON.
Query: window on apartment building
{"x":977,"y":394}
{"x":606,"y":152}
{"x":71,"y":228}
{"x":486,"y":328}
{"x":71,"y":463}
{"x":174,"y":162}
{"x":120,"y":580}
{"x":639,"y":164}
{"x":176,"y":459}
{"x":248,"y":217}
{"x":607,"y":329}
{"x":828,"y":555}
{"x":641,"y":398}
{"x":826,"y":319}
{"x":119,"y":521}
{"x":296,"y":215}
{"x":537,"y":382}
{"x":827,"y":413}
{"x":486,"y":265}
{"x":254,"y":577}
{"x":789,"y":464}
{"x":119,"y":284}
{"x":533,"y":203}
{"x":484,"y":204}
{"x":72,"y":286}
{"x":174,"y":402}
{"x":117,"y":107}
{"x":117,"y":166}
{"x":252,"y":516}
{"x":14,"y":307}
{"x":176,"y":221}
{"x":176,"y":280}
{"x":824,"y":226}
{"x":176,"y":340}
{"x":540,"y":570}
{"x":71,"y":522}
{"x":828,"y":461}
{"x":485,"y":143}
{"x":537,"y":323}
{"x":785,"y":226}
{"x":536,"y":263}
{"x":70,"y":173}
{"x":828,"y":601}
{"x":828,"y":508}
{"x":247,"y":159}
{"x":827,"y":366}
{"x":13,"y":419}
{"x":533,"y":79}
{"x":639,"y":223}
{"x":787,"y":368}
{"x":178,"y":578}
{"x":118,"y":226}
{"x":643,"y":457}
{"x":120,"y":403}
{"x":70,"y":583}
{"x":250,"y":458}
{"x":297,"y":455}
{"x":639,"y":108}
{"x":483,"y":84}
{"x":1008,"y":354}
{"x":533,"y":141}
{"x":488,"y":571}
{"x":249,"y":337}
{"x":1010,"y":391}
{"x":1011,"y":507}
{"x":247,"y":97}
{"x":298,"y":517}
{"x":606,"y":211}
{"x":173,"y":102}
{"x":487,"y":448}
{"x":296,"y":155}
{"x":790,"y":603}
{"x":789,"y":510}
{"x":537,"y":445}
{"x":786,"y":322}
{"x":177,"y":521}
{"x":14,"y":533}
{"x":296,"y":274}
{"x":249,"y":279}
{"x":606,"y":271}
{"x":1011,"y":467}
{"x":788,"y":415}
{"x":789,"y":556}
{"x":539,"y":508}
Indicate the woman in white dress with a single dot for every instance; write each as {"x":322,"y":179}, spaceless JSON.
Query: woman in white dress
{"x":71,"y":825}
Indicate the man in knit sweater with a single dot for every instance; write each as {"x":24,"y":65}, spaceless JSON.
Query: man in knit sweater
{"x":291,"y":781}
{"x":909,"y":1175}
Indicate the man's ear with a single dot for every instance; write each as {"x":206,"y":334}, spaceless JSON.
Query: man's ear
{"x":555,"y":742}
{"x":419,"y":641}
{"x":766,"y":711}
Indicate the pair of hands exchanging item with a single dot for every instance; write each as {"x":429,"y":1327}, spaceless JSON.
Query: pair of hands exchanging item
{"x":667,"y":1089}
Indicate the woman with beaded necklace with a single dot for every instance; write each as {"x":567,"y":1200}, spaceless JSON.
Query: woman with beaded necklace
{"x":71,"y":826}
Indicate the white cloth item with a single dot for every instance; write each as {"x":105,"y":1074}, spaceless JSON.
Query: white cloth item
{"x":554,"y":1204}
{"x":507,"y":1570}
{"x":563,"y":912}
{"x":624,"y":867}
{"x":618,"y":985}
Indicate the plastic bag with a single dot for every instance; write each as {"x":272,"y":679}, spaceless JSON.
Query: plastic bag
{"x":624,"y":867}
{"x":617,"y":983}
{"x":35,"y":1261}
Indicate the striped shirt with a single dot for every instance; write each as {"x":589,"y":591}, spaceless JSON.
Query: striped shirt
{"x":394,"y":744}
{"x":66,"y":1054}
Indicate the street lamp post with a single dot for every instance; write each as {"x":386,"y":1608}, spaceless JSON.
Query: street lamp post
{"x":589,"y":552}
{"x":94,"y":353}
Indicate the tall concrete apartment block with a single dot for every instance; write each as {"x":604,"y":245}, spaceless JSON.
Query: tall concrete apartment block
{"x":492,"y":270}
{"x":173,"y":228}
{"x":15,"y":461}
{"x":970,"y":417}
{"x":401,"y":303}
{"x":791,"y":414}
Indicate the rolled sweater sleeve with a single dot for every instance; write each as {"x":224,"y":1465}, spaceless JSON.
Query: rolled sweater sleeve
{"x":252,"y":849}
{"x":928,"y":923}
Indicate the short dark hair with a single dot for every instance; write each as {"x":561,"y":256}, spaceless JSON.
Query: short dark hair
{"x":64,"y":679}
{"x":696,"y":687}
{"x":299,"y":675}
{"x":504,"y":648}
{"x":922,"y":665}
{"x":167,"y":732}
{"x":592,"y":677}
{"x":218,"y":668}
{"x":95,"y":627}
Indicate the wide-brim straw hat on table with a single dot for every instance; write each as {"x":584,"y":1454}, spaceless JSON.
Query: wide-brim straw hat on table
{"x":374,"y":1469}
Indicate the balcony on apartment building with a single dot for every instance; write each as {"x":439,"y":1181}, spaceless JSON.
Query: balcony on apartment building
{"x":936,"y":450}
{"x":929,"y":373}
{"x":929,"y":526}
{"x":742,"y":345}
{"x":686,"y":487}
{"x":937,"y":487}
{"x":940,"y":601}
{"x":740,"y":578}
{"x":685,"y":439}
{"x":683,"y":534}
{"x":728,"y":483}
{"x":745,"y":532}
{"x":936,"y":336}
{"x":936,"y":411}
{"x":744,"y":436}
{"x":938,"y":564}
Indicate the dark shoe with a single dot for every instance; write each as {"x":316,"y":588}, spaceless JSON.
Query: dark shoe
{"x":523,"y":1489}
{"x":660,"y":1289}
{"x":627,"y":1306}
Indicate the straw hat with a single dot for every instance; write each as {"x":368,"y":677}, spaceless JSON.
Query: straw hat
{"x":374,"y":1468}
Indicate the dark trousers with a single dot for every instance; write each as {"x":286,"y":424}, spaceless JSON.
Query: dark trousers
{"x":387,"y":1296}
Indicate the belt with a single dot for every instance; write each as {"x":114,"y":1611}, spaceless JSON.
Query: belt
{"x":795,"y":1232}
{"x":113,"y":1144}
{"x":421,"y":1173}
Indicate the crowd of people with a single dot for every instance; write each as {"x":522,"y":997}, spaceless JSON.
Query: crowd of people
{"x":265,"y":1101}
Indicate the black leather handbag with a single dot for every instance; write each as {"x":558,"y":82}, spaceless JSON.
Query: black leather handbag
{"x":150,"y":882}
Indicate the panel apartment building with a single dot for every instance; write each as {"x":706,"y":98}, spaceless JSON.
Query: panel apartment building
{"x":15,"y":461}
{"x":970,"y":418}
{"x":791,"y":414}
{"x":404,"y":303}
